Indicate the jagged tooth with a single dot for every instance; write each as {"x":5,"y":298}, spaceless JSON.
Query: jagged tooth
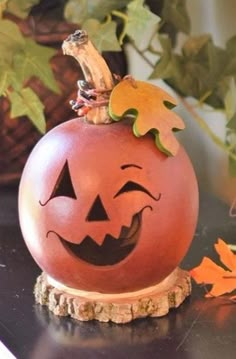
{"x":97,"y":237}
{"x":115,"y":230}
{"x":128,"y":222}
{"x":82,"y":236}
{"x":77,"y":236}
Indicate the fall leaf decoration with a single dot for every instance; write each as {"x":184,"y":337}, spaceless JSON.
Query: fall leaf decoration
{"x":150,"y":107}
{"x":223,"y":280}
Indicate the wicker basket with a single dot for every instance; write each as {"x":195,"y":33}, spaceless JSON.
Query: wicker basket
{"x":18,"y":136}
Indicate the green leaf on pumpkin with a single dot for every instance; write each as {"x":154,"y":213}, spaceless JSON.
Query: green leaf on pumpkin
{"x":149,"y":106}
{"x":27,"y":103}
{"x":103,"y":35}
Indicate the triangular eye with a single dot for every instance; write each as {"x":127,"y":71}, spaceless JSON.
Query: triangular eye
{"x":64,"y":186}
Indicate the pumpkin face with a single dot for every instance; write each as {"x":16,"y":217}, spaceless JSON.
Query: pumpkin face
{"x":101,"y":210}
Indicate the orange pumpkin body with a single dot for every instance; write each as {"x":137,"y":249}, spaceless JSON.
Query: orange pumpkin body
{"x":101,"y":210}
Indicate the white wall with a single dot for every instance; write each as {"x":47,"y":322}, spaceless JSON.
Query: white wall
{"x":214,"y":16}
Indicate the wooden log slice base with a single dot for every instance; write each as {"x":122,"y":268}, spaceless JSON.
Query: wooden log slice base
{"x":155,"y":301}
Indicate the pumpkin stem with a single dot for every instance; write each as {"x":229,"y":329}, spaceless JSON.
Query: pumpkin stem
{"x":94,"y":92}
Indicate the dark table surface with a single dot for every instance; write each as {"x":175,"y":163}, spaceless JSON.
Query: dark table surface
{"x":199,"y":329}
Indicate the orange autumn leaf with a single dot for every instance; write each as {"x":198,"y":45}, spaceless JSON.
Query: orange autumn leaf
{"x":148,"y":105}
{"x":227,"y":257}
{"x":222,"y":280}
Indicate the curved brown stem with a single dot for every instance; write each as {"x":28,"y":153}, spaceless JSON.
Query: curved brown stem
{"x":95,"y":71}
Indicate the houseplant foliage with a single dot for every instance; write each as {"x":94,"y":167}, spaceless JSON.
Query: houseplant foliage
{"x":21,"y":59}
{"x":31,"y":67}
{"x":198,"y":69}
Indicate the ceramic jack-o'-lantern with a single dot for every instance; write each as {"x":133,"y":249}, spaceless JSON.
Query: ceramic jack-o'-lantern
{"x":108,"y":201}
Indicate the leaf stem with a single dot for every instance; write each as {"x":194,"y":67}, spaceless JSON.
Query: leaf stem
{"x":154,"y":51}
{"x":161,"y":23}
{"x":205,"y":97}
{"x":143,"y":56}
{"x":124,"y":18}
{"x":108,"y":19}
{"x":120,"y":14}
{"x":216,"y":139}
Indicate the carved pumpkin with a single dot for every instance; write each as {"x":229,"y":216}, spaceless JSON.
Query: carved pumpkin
{"x":101,"y":210}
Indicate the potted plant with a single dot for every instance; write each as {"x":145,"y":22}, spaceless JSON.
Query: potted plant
{"x":200,"y":73}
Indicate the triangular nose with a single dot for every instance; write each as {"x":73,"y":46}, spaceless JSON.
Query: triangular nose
{"x":97,"y":212}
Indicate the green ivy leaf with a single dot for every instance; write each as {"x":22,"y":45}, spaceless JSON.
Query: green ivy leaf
{"x":103,"y":35}
{"x":195,"y":79}
{"x":230,"y":103}
{"x":78,"y":11}
{"x":184,"y":72}
{"x":232,"y":122}
{"x":232,"y":166}
{"x":27,"y":103}
{"x":11,"y":39}
{"x":164,"y":67}
{"x":7,"y":78}
{"x":141,"y":23}
{"x":3,"y":5}
{"x":231,"y":46}
{"x":231,"y":56}
{"x":196,"y":46}
{"x":198,"y":71}
{"x":21,"y":8}
{"x":34,"y":61}
{"x":174,"y":12}
{"x":217,"y":61}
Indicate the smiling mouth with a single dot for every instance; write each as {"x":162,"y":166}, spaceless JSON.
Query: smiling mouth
{"x":112,"y":250}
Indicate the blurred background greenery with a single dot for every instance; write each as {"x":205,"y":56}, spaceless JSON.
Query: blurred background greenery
{"x":186,"y":46}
